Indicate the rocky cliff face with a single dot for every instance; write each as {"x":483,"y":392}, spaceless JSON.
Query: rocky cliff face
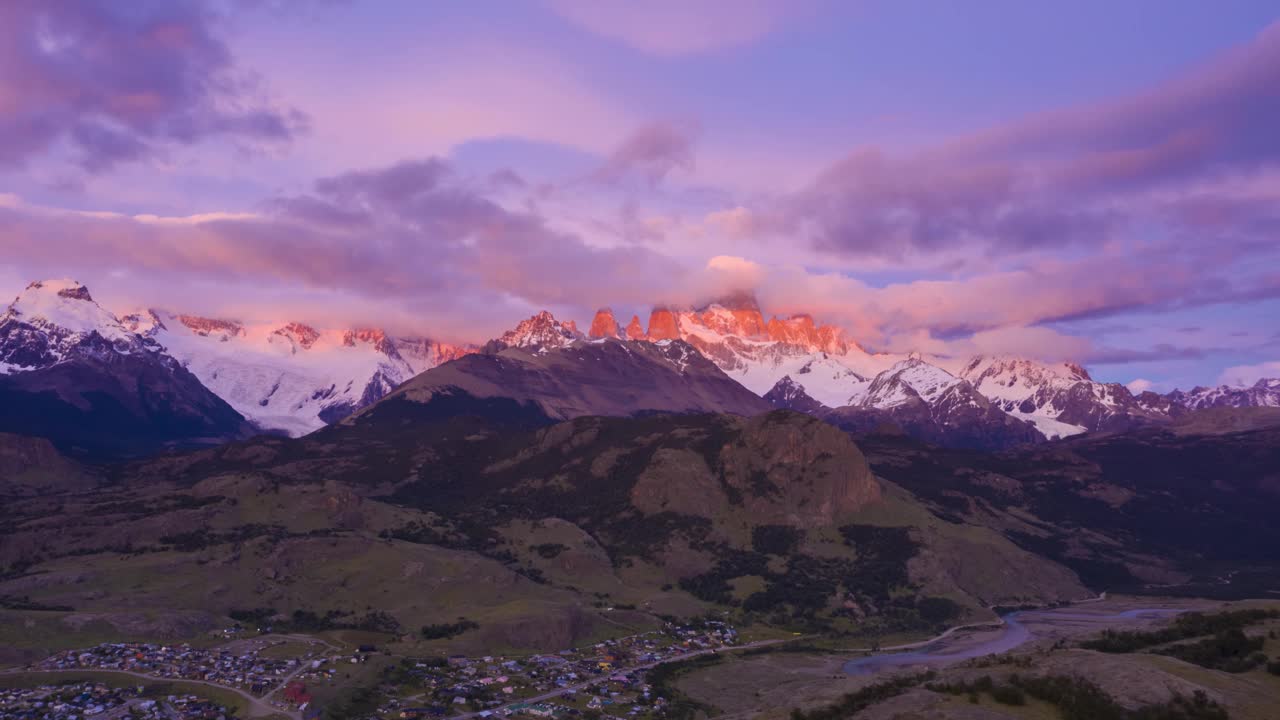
{"x":604,"y":325}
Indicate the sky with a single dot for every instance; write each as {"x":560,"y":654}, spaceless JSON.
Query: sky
{"x":1089,"y":181}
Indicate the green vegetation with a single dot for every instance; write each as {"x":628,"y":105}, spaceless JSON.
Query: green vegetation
{"x":359,"y":703}
{"x":306,"y":621}
{"x":549,"y":550}
{"x":797,"y":594}
{"x":448,"y":630}
{"x":859,"y":700}
{"x":1184,"y":627}
{"x":1079,"y":699}
{"x":776,"y":539}
{"x":202,"y":538}
{"x":1230,"y":651}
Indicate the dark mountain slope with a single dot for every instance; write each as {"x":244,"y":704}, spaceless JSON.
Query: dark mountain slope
{"x":69,"y":371}
{"x":603,"y":377}
{"x":775,"y":518}
{"x":1145,"y":511}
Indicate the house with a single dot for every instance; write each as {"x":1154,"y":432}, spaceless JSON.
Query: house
{"x":296,"y":693}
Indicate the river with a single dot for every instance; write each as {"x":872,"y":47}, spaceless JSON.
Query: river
{"x":1018,"y":629}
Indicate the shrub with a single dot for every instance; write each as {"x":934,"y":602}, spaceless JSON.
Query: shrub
{"x":448,"y":630}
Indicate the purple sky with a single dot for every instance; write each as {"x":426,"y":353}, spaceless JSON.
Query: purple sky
{"x":1098,"y":181}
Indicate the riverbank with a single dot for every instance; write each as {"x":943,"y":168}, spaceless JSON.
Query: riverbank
{"x":1025,"y":627}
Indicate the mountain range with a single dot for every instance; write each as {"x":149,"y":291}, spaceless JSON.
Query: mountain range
{"x":236,"y":378}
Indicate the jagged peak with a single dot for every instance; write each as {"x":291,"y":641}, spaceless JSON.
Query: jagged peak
{"x":145,"y":322}
{"x":604,"y":325}
{"x":635,"y":331}
{"x":786,"y":382}
{"x":541,"y":330}
{"x":980,"y":365}
{"x":302,"y":334}
{"x":62,"y":287}
{"x":205,"y":326}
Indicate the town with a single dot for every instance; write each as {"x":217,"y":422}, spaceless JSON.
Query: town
{"x":77,"y":701}
{"x":610,"y":677}
{"x":244,"y":671}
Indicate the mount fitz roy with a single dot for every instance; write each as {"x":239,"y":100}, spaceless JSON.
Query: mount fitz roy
{"x":190,"y":380}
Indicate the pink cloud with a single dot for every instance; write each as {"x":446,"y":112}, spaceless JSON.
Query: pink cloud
{"x":1078,"y":177}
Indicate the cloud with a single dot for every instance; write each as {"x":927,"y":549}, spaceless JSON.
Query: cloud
{"x":1138,"y":386}
{"x":650,"y":153}
{"x":1078,"y":177}
{"x":415,"y":234}
{"x":1039,"y":342}
{"x":1246,"y":375}
{"x":671,"y":28}
{"x":119,"y":82}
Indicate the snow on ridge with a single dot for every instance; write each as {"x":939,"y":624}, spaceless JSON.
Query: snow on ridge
{"x":287,"y":376}
{"x":65,"y":304}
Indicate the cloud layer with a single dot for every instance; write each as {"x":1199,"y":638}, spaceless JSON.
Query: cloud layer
{"x":449,"y":181}
{"x":116,"y":82}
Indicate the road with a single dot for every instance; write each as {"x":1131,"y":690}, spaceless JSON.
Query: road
{"x":579,"y":686}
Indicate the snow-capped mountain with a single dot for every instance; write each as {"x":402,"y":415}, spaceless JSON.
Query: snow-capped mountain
{"x":1061,"y":399}
{"x":290,"y":376}
{"x":70,"y":371}
{"x":55,"y":321}
{"x":733,"y":333}
{"x":1264,"y":393}
{"x":930,"y":403}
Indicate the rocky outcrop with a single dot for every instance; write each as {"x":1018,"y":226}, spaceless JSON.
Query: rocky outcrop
{"x":541,"y":331}
{"x":779,"y":468}
{"x":206,"y":327}
{"x":662,"y":325}
{"x":634,"y":330}
{"x":303,"y":336}
{"x":603,"y":325}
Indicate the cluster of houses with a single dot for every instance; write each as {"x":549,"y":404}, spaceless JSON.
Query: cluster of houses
{"x":95,"y":701}
{"x":244,"y":670}
{"x":608,"y":676}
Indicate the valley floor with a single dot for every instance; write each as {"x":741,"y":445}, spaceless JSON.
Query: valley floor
{"x":773,"y":684}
